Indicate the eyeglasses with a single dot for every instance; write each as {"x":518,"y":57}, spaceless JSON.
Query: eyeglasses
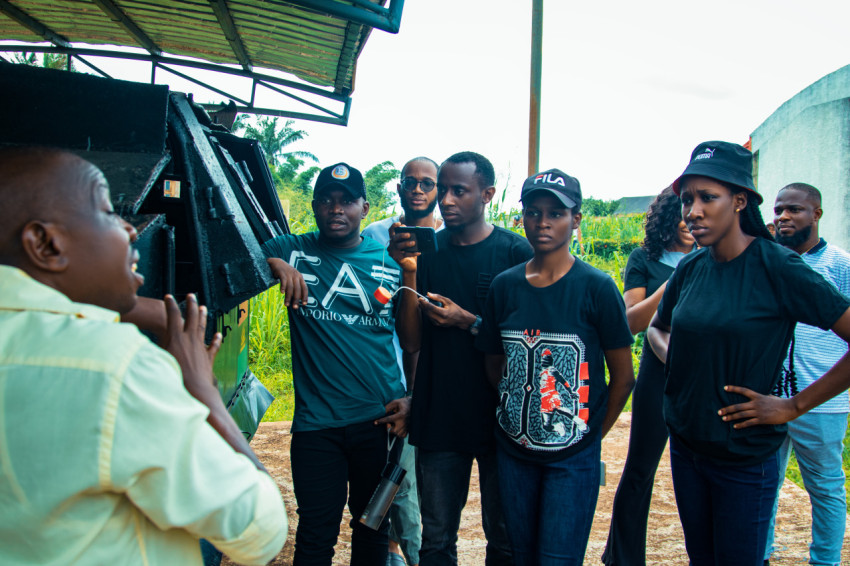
{"x":409,"y":184}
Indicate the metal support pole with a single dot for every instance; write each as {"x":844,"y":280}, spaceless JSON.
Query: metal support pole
{"x":536,"y":76}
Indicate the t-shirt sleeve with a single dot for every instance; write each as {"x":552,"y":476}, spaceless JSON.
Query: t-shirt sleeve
{"x":636,"y":275}
{"x":807,"y":296}
{"x":279,"y":247}
{"x":489,"y":340}
{"x":179,"y":472}
{"x":611,"y":322}
{"x":522,"y":251}
{"x":671,"y":296}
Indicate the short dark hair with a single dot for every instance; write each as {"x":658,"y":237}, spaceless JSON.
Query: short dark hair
{"x":812,"y":192}
{"x":483,"y":167}
{"x":421,"y":159}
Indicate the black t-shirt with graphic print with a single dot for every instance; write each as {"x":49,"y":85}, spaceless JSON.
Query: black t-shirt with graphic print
{"x":554,"y":397}
{"x":453,"y":406}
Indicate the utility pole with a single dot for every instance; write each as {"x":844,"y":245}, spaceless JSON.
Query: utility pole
{"x":536,"y":79}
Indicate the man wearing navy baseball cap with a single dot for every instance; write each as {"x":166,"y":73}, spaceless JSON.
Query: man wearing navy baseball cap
{"x":343,"y":366}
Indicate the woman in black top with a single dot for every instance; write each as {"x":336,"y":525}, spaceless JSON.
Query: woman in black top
{"x":666,"y":242}
{"x":723,"y":326}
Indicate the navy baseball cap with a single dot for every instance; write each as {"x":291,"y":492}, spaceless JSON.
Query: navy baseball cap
{"x":722,"y":161}
{"x":554,"y":181}
{"x":341,"y":176}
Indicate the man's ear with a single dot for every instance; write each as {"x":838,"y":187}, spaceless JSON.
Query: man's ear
{"x":365,"y":211}
{"x":817,"y":213}
{"x":487,"y":194}
{"x":45,"y":246}
{"x":576,"y":220}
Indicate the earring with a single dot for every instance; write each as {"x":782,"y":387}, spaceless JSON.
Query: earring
{"x":737,"y":210}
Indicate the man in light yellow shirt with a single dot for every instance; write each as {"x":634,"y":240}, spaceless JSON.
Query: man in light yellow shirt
{"x":107,"y":456}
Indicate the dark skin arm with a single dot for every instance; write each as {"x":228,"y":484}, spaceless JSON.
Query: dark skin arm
{"x":149,"y":315}
{"x":292,"y":284}
{"x":185,"y":341}
{"x":494,"y":368}
{"x":640,"y":308}
{"x":408,"y":318}
{"x":658,"y":337}
{"x":620,"y":384}
{"x":767,"y":409}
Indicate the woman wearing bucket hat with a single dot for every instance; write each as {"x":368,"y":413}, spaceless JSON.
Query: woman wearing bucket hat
{"x":649,"y":267}
{"x":723,"y":326}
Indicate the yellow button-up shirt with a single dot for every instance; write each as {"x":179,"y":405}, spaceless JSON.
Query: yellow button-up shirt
{"x":105,"y":458}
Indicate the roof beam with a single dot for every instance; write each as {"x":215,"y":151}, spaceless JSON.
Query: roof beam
{"x":373,"y":15}
{"x":225,"y":20}
{"x":119,"y":17}
{"x":33,"y":25}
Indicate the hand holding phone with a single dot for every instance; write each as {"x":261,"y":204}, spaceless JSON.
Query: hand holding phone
{"x":425,"y":238}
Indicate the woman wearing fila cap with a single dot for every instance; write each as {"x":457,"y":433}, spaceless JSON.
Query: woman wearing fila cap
{"x":723,"y":326}
{"x":649,"y":267}
{"x":547,"y":359}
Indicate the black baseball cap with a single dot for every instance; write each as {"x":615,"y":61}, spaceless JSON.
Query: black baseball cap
{"x":722,"y":161}
{"x":342,"y":176}
{"x":565,"y":188}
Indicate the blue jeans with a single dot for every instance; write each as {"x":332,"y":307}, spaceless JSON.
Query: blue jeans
{"x":725,"y":510}
{"x":549,"y":507}
{"x":817,"y":441}
{"x":443,"y":481}
{"x":405,"y":526}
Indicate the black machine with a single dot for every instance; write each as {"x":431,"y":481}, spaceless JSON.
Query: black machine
{"x":202,"y":199}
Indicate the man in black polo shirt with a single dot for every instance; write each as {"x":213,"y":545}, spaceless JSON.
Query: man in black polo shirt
{"x":454,"y":407}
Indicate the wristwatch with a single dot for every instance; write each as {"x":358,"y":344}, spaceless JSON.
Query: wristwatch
{"x":475,"y":327}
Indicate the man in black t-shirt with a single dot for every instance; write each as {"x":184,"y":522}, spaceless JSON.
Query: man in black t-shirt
{"x":453,"y":412}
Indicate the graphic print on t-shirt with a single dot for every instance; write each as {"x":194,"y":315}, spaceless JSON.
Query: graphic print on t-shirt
{"x":349,"y":298}
{"x":548,"y":411}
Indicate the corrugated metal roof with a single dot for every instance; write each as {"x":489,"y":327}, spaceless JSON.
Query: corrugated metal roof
{"x":294,"y":37}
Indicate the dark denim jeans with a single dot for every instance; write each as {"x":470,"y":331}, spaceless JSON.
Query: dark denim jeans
{"x":725,"y":510}
{"x":327,"y":465}
{"x":443,"y":481}
{"x":549,"y":508}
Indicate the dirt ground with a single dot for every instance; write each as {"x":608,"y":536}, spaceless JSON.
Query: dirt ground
{"x":665,"y":543}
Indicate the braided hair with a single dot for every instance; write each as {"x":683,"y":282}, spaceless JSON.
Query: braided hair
{"x":662,"y":223}
{"x":752,"y":222}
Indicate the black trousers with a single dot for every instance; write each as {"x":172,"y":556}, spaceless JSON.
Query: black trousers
{"x":329,"y":466}
{"x":627,"y":536}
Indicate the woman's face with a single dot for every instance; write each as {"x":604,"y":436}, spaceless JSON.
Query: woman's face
{"x":684,"y":235}
{"x":708,"y":209}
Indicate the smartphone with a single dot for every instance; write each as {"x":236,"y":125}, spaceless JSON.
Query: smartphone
{"x":425,"y":238}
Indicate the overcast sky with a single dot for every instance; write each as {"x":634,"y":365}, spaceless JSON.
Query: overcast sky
{"x":629,"y":88}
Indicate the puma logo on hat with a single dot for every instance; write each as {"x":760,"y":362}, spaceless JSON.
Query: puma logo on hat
{"x":707,"y":153}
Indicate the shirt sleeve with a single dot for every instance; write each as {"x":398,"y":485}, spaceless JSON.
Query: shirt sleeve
{"x":176,"y":469}
{"x":489,"y":340}
{"x":636,"y":275}
{"x":807,"y":296}
{"x":278,"y":247}
{"x":671,"y":296}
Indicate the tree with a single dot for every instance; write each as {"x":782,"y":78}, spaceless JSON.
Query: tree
{"x":597,"y":207}
{"x":274,"y":141}
{"x":380,"y":199}
{"x":48,"y":61}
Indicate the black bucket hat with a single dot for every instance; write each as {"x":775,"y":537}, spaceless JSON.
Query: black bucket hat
{"x":722,"y":161}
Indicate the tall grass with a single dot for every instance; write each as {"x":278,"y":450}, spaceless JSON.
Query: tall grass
{"x":269,"y":353}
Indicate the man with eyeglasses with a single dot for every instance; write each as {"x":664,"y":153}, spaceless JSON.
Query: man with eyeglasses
{"x":418,"y":198}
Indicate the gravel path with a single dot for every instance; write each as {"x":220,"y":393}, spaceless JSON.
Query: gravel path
{"x":665,"y":544}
